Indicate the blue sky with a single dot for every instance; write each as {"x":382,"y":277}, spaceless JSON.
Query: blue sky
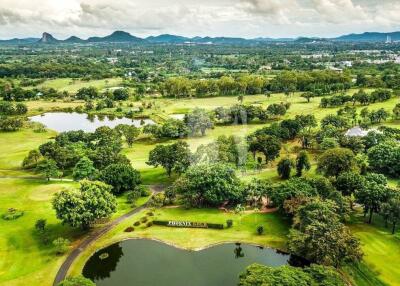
{"x":244,"y":18}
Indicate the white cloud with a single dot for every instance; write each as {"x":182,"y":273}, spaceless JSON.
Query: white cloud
{"x":248,"y":18}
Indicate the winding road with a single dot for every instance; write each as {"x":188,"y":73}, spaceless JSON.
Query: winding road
{"x":62,"y":272}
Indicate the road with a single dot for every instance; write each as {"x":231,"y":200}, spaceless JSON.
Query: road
{"x":62,"y":272}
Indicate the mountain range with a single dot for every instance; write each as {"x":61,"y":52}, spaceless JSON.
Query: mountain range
{"x":124,"y":37}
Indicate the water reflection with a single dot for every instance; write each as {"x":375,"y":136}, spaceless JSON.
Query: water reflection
{"x":62,"y":121}
{"x":148,"y":263}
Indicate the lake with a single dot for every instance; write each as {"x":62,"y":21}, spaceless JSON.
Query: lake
{"x":63,"y":121}
{"x":149,"y":263}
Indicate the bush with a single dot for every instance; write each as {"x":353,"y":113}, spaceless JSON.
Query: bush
{"x":137,"y":223}
{"x":144,"y":219}
{"x":149,"y":224}
{"x":150,"y":214}
{"x":260,"y":230}
{"x":61,"y":245}
{"x":144,"y":192}
{"x":229,"y":223}
{"x":129,"y":229}
{"x":12,"y":214}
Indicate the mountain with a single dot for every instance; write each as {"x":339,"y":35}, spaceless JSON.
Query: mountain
{"x":369,"y":37}
{"x":167,"y":38}
{"x":47,"y":39}
{"x":16,"y":41}
{"x":116,"y":37}
{"x":74,"y":40}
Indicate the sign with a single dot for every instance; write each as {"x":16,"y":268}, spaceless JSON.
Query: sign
{"x":188,"y":224}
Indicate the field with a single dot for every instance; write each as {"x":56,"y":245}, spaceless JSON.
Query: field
{"x":26,"y":191}
{"x":243,"y":230}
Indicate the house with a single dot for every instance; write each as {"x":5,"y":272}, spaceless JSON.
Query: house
{"x":357,"y":131}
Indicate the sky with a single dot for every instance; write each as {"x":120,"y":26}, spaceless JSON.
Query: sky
{"x":233,"y":18}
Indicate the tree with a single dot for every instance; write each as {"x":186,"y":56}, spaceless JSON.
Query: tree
{"x":32,"y":159}
{"x":302,"y":163}
{"x":61,"y":245}
{"x":130,"y":132}
{"x":198,"y":121}
{"x":371,"y":196}
{"x":385,"y":158}
{"x":393,"y":207}
{"x":84,"y":169}
{"x":82,"y":208}
{"x":396,"y":111}
{"x":320,"y":237}
{"x":315,"y":275}
{"x":284,"y":168}
{"x":76,"y":281}
{"x":121,"y":177}
{"x":40,"y":225}
{"x":292,"y":188}
{"x":121,"y":94}
{"x":308,"y":95}
{"x":335,"y":161}
{"x":209,"y":185}
{"x":175,"y":157}
{"x":9,"y":124}
{"x":49,"y":168}
{"x":256,"y":190}
{"x":269,"y":145}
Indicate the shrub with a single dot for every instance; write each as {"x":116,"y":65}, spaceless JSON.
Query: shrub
{"x":61,"y":245}
{"x":260,"y":230}
{"x":12,"y":214}
{"x":143,"y":219}
{"x":137,"y":223}
{"x":150,"y":214}
{"x":149,"y":224}
{"x":229,"y":223}
{"x":129,"y":229}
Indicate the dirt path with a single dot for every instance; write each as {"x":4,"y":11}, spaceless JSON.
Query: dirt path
{"x":62,"y":272}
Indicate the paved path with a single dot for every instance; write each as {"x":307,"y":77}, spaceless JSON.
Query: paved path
{"x":62,"y":272}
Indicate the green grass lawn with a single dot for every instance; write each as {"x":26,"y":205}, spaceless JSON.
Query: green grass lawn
{"x":24,"y":259}
{"x":15,"y":146}
{"x":71,"y":85}
{"x":381,"y":249}
{"x":243,"y":230}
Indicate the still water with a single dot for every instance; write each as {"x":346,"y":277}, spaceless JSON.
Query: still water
{"x":63,"y":121}
{"x":150,"y":263}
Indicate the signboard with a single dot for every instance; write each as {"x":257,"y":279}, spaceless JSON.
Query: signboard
{"x":188,"y":224}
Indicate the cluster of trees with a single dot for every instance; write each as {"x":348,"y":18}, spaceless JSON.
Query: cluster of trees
{"x":315,"y":275}
{"x":318,"y":82}
{"x":93,"y":156}
{"x":180,"y":87}
{"x":243,"y":114}
{"x":195,"y":123}
{"x":363,"y":98}
{"x":8,"y":113}
{"x":8,"y":108}
{"x":91,"y":93}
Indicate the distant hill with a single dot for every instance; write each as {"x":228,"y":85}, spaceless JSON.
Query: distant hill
{"x":23,"y":41}
{"x":369,"y":37}
{"x":116,"y":37}
{"x":74,"y":40}
{"x":125,"y":37}
{"x":47,"y":39}
{"x":167,"y":38}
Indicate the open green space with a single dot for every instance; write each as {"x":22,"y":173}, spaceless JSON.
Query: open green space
{"x":244,"y":230}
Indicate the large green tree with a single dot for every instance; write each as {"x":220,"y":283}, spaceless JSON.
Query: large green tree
{"x":335,"y":161}
{"x":122,"y":177}
{"x":174,"y":157}
{"x":210,"y":185}
{"x":82,"y":208}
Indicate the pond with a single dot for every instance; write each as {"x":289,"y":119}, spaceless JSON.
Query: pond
{"x":150,"y":263}
{"x":177,"y":116}
{"x":63,"y":121}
